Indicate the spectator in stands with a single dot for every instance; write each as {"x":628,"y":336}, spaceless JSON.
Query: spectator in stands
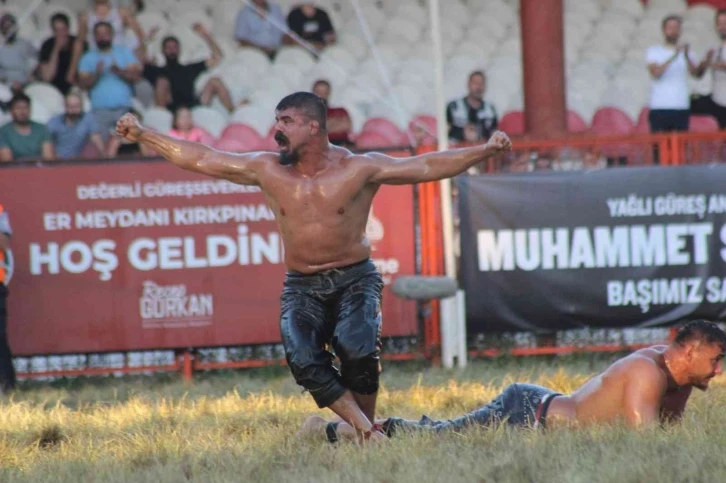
{"x":7,"y":371}
{"x":184,"y":127}
{"x":669,"y":65}
{"x":255,"y":26}
{"x":56,"y":53}
{"x":715,"y":104}
{"x":71,"y":131}
{"x":120,"y":19}
{"x":174,"y":82}
{"x":339,"y":124}
{"x":21,"y":138}
{"x":18,"y":57}
{"x":312,"y":24}
{"x":120,"y":147}
{"x":108,"y":73}
{"x":472,"y":119}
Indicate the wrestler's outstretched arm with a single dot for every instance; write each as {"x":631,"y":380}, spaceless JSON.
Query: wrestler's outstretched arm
{"x":196,"y":157}
{"x":432,"y":166}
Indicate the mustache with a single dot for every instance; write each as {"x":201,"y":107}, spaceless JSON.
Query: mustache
{"x":281,"y":138}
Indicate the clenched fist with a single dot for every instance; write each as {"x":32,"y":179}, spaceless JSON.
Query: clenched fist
{"x":499,"y":142}
{"x":128,"y":127}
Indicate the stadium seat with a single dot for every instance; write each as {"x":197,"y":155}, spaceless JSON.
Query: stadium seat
{"x":210,"y":120}
{"x":235,"y":146}
{"x":610,"y":121}
{"x":375,"y":140}
{"x":158,"y":118}
{"x":242,"y":133}
{"x":256,"y":116}
{"x":575,"y":123}
{"x":643,"y":125}
{"x":425,"y":126}
{"x":512,"y":123}
{"x":703,"y":124}
{"x":296,"y":58}
{"x":385,"y":128}
{"x":46,"y":94}
{"x":5,"y":93}
{"x":40,"y":113}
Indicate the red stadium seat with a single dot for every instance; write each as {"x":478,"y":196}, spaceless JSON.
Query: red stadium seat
{"x":236,"y":146}
{"x":417,"y":125}
{"x":374,"y":140}
{"x":387,"y":129}
{"x":512,"y":123}
{"x":575,"y":123}
{"x":207,"y":138}
{"x":243,"y":133}
{"x":610,"y":121}
{"x":643,"y":126}
{"x":703,"y":124}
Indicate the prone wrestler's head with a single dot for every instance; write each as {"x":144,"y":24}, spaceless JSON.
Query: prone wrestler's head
{"x":701,"y":347}
{"x":299,"y":119}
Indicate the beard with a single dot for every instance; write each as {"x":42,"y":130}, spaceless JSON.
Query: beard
{"x":171,"y":59}
{"x":22,"y":122}
{"x":286,"y":158}
{"x":103,"y":44}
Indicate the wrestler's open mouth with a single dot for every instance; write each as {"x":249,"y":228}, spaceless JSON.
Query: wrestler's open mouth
{"x":282,"y":140}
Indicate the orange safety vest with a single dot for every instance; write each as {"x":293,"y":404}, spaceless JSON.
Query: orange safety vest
{"x":2,"y":258}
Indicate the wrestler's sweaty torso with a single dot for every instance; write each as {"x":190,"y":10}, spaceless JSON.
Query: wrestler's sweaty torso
{"x":601,"y":399}
{"x":322,"y":216}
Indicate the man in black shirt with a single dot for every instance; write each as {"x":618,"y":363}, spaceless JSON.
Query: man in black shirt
{"x":312,"y":24}
{"x":471,"y":119}
{"x":56,"y":53}
{"x":174,"y":82}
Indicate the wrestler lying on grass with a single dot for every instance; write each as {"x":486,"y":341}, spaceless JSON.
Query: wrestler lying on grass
{"x":651,"y":385}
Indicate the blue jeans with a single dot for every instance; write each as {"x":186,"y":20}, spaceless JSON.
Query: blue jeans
{"x":516,"y":406}
{"x":338,"y":308}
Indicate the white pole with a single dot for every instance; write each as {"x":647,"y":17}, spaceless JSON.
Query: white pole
{"x":450,"y":318}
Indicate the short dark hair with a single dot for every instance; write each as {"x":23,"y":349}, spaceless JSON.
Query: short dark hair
{"x":307,"y":102}
{"x":477,"y":72}
{"x":60,"y":17}
{"x":719,"y":12}
{"x":169,"y":38}
{"x":701,"y":330}
{"x":102,"y":24}
{"x":677,"y":18}
{"x":20,"y":97}
{"x":321,"y":82}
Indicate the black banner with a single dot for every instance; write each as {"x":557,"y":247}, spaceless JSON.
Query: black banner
{"x":611,"y":248}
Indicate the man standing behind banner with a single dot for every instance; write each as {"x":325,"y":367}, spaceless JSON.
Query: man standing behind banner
{"x":7,"y":371}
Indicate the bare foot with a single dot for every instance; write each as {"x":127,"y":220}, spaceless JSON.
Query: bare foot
{"x":312,"y":425}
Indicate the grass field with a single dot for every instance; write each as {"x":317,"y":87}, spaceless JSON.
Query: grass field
{"x":237,"y":427}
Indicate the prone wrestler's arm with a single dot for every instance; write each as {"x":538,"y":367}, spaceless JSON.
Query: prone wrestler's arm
{"x":196,"y":157}
{"x":433,"y":166}
{"x":644,"y":391}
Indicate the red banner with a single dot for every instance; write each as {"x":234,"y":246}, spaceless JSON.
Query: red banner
{"x":143,"y":255}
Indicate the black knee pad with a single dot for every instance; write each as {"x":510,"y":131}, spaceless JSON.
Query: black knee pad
{"x":361,"y":375}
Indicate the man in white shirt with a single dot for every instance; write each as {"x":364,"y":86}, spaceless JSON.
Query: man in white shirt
{"x":715,"y":104}
{"x":669,"y":66}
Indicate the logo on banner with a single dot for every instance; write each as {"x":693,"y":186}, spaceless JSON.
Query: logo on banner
{"x":170,"y":306}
